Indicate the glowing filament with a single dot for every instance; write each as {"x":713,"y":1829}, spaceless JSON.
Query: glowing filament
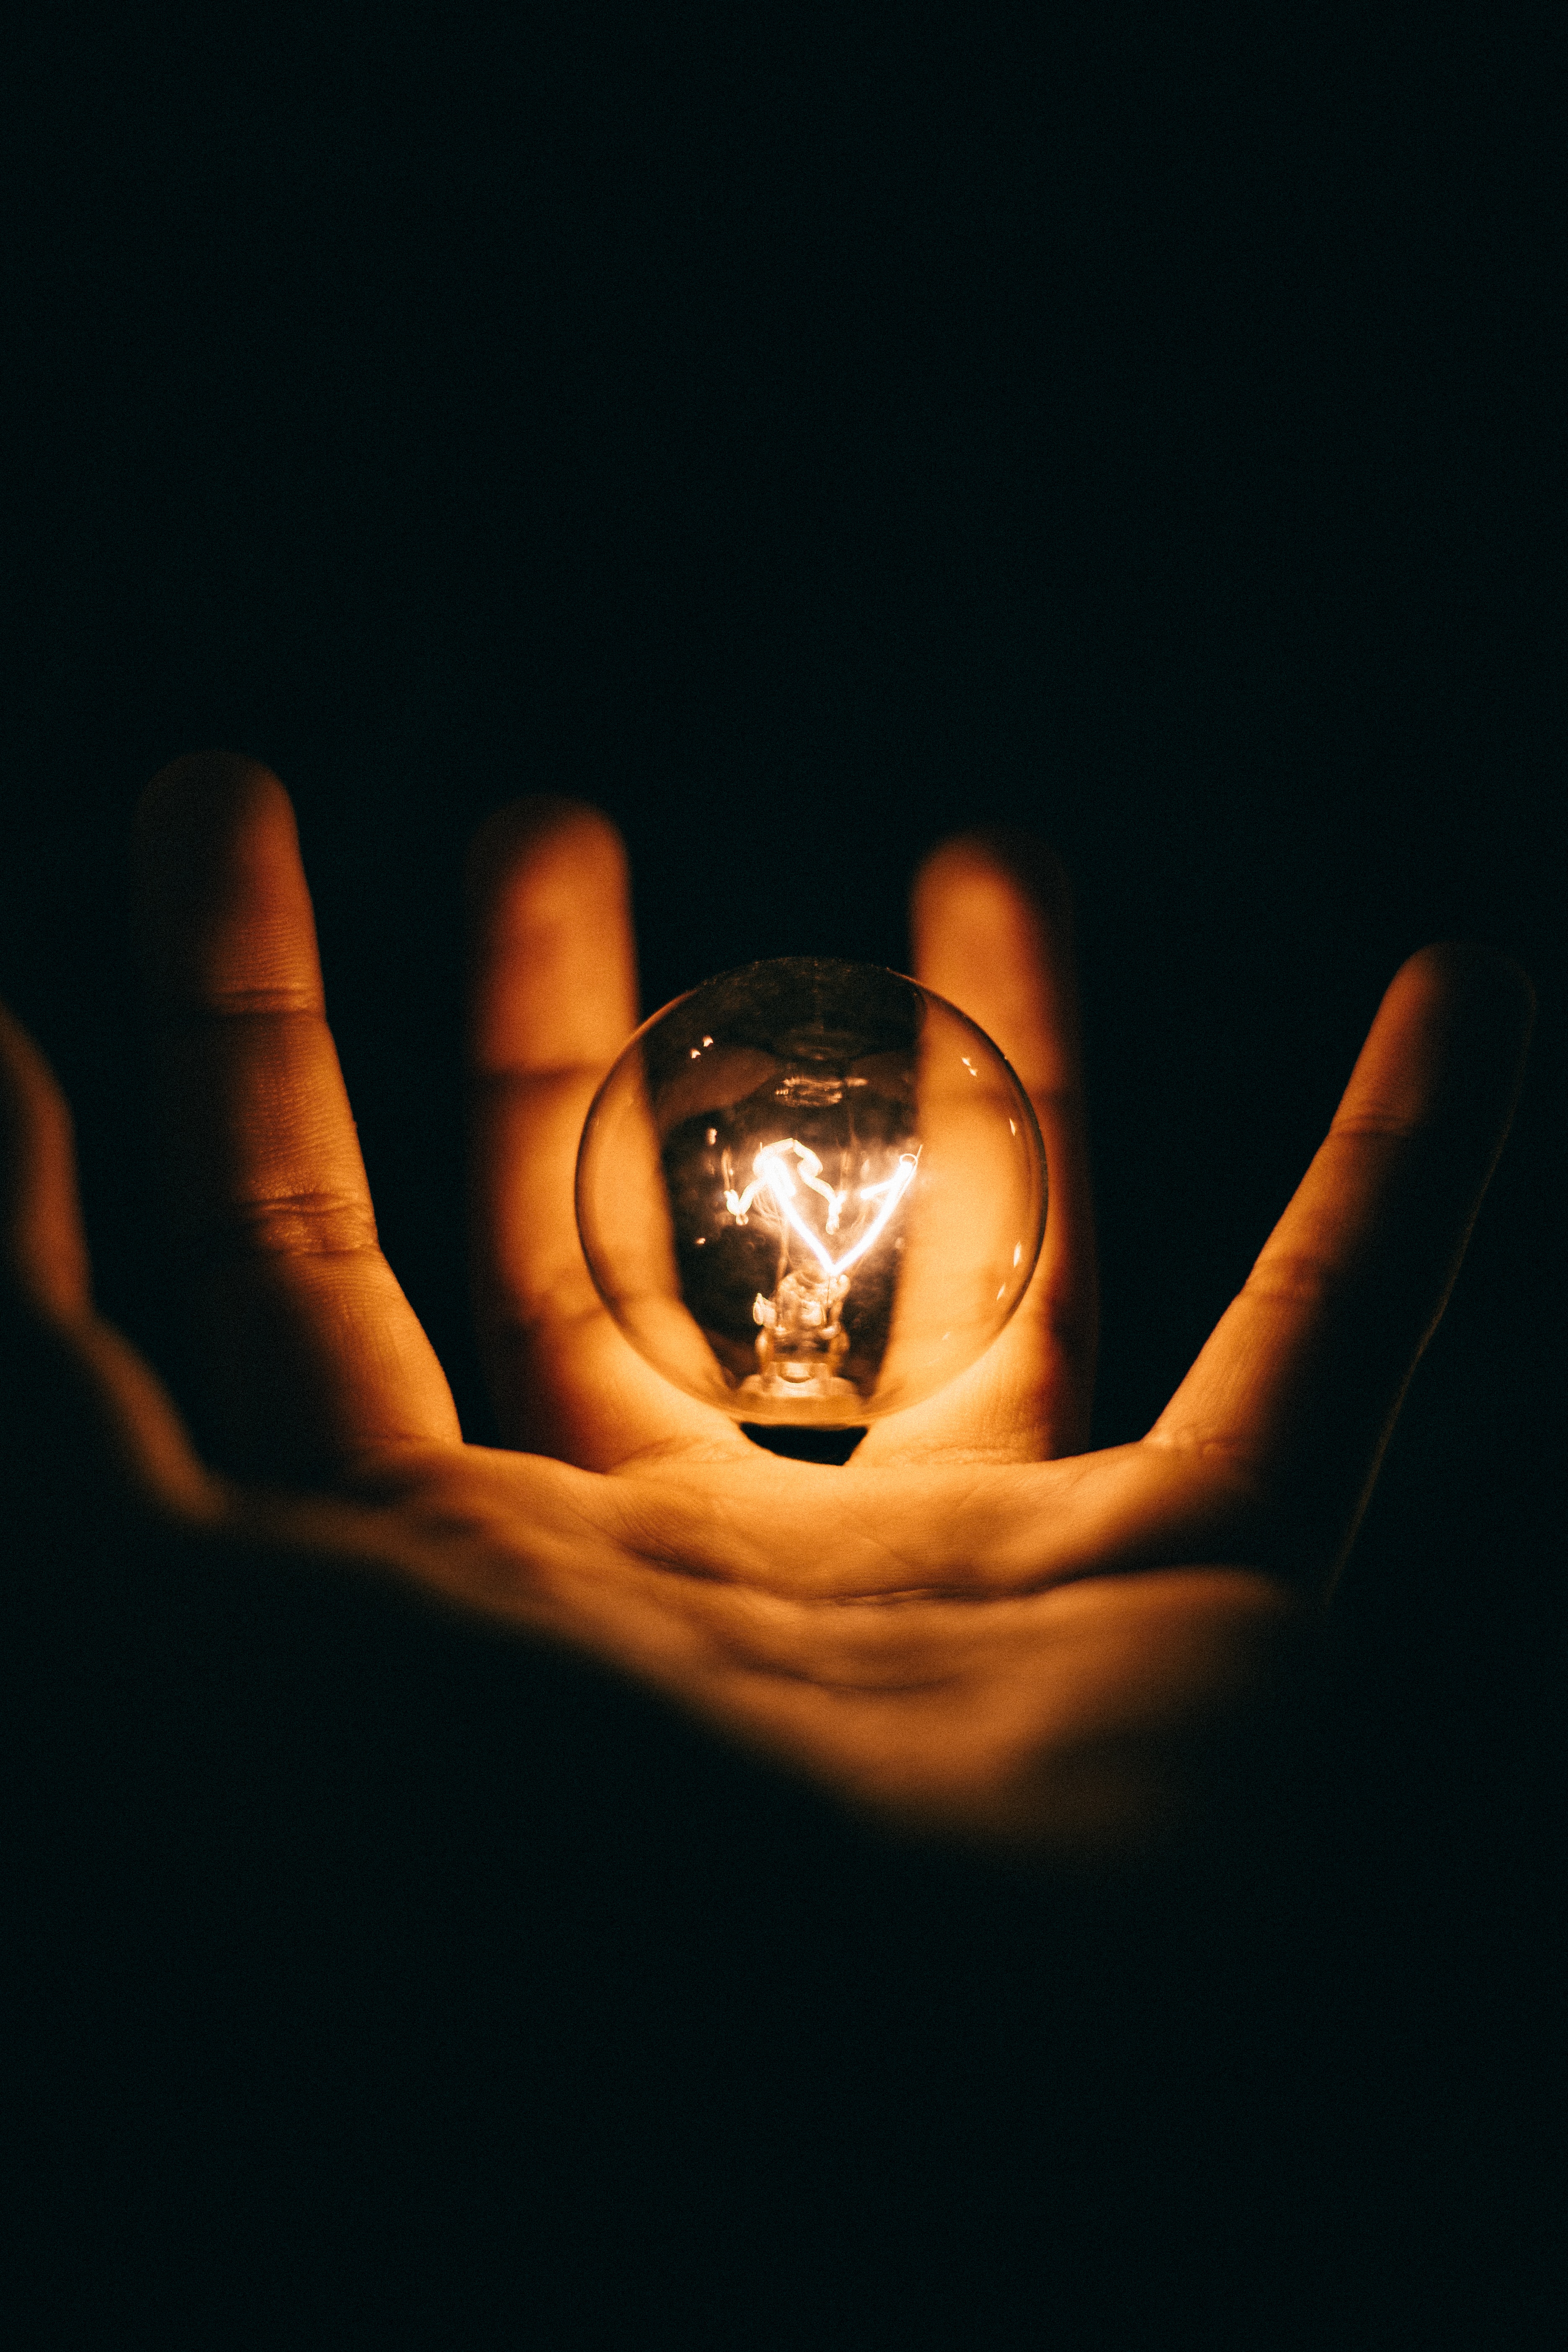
{"x":773,"y":1175}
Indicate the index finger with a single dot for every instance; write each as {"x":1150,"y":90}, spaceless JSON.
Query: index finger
{"x":1299,"y":1384}
{"x":314,"y":1358}
{"x":555,"y":1000}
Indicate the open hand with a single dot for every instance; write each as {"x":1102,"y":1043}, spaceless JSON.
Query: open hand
{"x":974,"y":1626}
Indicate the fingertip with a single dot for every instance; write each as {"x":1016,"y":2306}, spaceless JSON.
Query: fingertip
{"x":1483,"y":978}
{"x":544,"y":837}
{"x":991,"y":927}
{"x":1451,"y":1036}
{"x":991,"y":863}
{"x":204,"y":795}
{"x":552,"y":958}
{"x":221,"y":897}
{"x":991,"y":930}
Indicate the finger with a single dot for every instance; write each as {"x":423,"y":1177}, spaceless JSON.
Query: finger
{"x":315,"y":1359}
{"x":1301,"y":1380}
{"x":991,"y":930}
{"x":84,"y":1420}
{"x":555,"y":1000}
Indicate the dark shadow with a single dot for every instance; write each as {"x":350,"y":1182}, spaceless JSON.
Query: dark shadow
{"x":834,"y":1446}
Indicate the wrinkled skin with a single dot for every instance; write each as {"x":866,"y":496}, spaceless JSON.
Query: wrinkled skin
{"x":974,"y":1627}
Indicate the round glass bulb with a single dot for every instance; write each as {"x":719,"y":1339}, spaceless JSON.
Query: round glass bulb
{"x":811,"y":1192}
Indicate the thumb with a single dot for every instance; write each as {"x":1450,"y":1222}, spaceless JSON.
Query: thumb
{"x":85,"y":1422}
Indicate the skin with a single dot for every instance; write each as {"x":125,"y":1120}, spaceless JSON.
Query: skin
{"x":975,"y":1629}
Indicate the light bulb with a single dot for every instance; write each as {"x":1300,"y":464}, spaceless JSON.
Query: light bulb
{"x":811,"y":1192}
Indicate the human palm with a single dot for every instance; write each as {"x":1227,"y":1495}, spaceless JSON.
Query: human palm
{"x":973,"y":1626}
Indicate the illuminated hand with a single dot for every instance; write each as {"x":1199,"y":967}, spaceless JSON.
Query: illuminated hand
{"x":974,"y":1626}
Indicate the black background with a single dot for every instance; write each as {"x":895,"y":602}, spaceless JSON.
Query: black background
{"x":805,"y":436}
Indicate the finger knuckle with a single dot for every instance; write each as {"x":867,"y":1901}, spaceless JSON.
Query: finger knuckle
{"x":292,"y":1224}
